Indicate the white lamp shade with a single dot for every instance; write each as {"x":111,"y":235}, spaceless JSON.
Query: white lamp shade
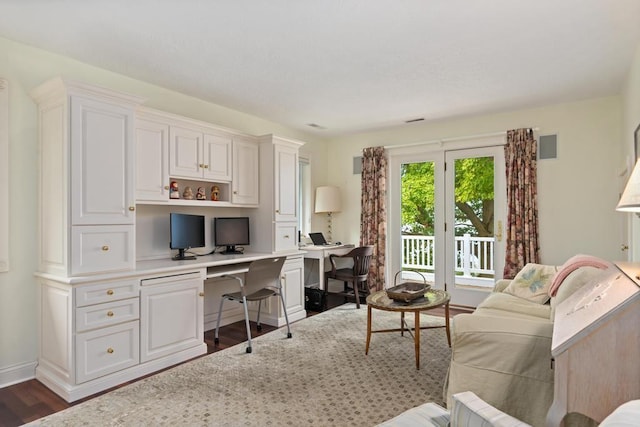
{"x":328,"y":199}
{"x":630,"y":200}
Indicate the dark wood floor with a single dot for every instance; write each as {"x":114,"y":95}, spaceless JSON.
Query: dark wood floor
{"x":27,"y":401}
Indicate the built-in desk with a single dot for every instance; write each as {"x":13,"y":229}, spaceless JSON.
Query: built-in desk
{"x":320,"y":254}
{"x":98,"y":331}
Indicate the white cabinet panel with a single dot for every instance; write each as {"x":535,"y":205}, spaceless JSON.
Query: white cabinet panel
{"x":101,"y":163}
{"x":172,"y":315}
{"x":246,"y":170}
{"x":286,"y":183}
{"x":152,"y":161}
{"x":185,"y":156}
{"x":107,"y":350}
{"x":99,"y":249}
{"x":293,"y":273}
{"x":285,"y":236}
{"x":217,"y":157}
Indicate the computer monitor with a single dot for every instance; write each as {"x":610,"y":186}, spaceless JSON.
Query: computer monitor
{"x":230,"y":233}
{"x":187,"y":231}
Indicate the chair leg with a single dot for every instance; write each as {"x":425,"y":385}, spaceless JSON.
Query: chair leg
{"x":355,"y":292}
{"x":246,"y":320}
{"x":259,"y":326}
{"x":216,"y":340}
{"x":286,"y":317}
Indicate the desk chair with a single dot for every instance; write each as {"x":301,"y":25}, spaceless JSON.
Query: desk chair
{"x":356,"y":274}
{"x":262,"y":281}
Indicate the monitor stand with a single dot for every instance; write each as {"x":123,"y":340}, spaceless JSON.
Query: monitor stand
{"x":231,"y":250}
{"x":181,"y":256}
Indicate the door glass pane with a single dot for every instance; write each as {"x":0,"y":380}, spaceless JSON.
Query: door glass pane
{"x":474,"y":222}
{"x":418,"y":215}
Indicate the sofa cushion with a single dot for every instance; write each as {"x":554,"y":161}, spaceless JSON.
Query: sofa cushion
{"x":471,"y":411}
{"x":427,"y":415}
{"x":573,"y":282}
{"x":532,"y":283}
{"x":508,"y":305}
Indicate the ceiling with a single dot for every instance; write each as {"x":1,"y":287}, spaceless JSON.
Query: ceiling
{"x":347,"y":65}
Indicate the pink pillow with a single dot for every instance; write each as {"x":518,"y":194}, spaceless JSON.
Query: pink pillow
{"x":572,"y":265}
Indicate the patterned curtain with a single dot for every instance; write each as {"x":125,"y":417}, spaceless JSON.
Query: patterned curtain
{"x":520,"y":154}
{"x":373,"y":216}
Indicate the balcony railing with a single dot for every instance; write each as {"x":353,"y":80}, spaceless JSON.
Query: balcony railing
{"x":474,"y":255}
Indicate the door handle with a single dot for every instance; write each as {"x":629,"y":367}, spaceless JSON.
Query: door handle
{"x":499,"y":232}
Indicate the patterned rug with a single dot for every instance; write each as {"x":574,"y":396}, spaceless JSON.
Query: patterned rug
{"x":320,"y":377}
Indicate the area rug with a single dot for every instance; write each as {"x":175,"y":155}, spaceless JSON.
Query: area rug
{"x":320,"y":377}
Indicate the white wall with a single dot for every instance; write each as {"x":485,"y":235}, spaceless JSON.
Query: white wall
{"x":25,"y":67}
{"x":577,"y":192}
{"x":631,"y":120}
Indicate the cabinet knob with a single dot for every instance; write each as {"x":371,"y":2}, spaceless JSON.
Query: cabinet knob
{"x":110,"y":292}
{"x":110,"y":350}
{"x":235,"y":192}
{"x":201,"y":165}
{"x":201,"y":294}
{"x":105,"y":248}
{"x":278,"y":211}
{"x":286,"y":236}
{"x":166,"y":187}
{"x":132,"y":208}
{"x":109,"y":313}
{"x":205,"y":166}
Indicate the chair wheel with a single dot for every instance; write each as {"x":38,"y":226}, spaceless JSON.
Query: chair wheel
{"x":259,"y":328}
{"x":216,"y":341}
{"x":248,"y":349}
{"x":289,"y":335}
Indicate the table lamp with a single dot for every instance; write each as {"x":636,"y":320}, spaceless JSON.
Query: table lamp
{"x":630,"y":199}
{"x":328,"y":200}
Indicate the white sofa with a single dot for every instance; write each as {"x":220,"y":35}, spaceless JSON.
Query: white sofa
{"x":468,"y":410}
{"x":502,"y":352}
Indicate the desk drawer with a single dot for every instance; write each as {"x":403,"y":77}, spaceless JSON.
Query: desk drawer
{"x":286,"y":236}
{"x":107,"y":314}
{"x":100,"y":249}
{"x":106,"y":292}
{"x":104,"y":351}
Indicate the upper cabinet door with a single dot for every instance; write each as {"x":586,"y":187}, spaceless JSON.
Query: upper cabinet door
{"x":102,"y":166}
{"x":217,"y":157}
{"x":246,"y":171}
{"x":286,"y":183}
{"x":152,"y":161}
{"x":185,"y":147}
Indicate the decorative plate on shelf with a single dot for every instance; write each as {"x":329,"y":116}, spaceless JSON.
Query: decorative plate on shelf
{"x":408,"y":291}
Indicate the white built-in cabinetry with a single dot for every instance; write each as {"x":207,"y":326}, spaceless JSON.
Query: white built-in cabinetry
{"x":87,"y":200}
{"x":105,"y":318}
{"x":194,"y":154}
{"x":278,"y":211}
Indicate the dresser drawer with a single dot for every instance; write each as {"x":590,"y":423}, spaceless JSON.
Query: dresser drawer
{"x":107,"y":314}
{"x":106,"y":292}
{"x":107,"y":350}
{"x":286,"y":236}
{"x":104,"y":248}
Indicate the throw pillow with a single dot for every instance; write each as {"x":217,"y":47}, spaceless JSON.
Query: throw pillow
{"x":532,"y":283}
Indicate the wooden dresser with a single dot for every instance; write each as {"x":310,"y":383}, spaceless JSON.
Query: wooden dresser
{"x":596,"y":347}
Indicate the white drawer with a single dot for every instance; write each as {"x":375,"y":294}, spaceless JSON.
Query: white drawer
{"x":104,"y":248}
{"x":106,"y":292}
{"x":107,"y":350}
{"x":286,"y":236}
{"x":107,"y":314}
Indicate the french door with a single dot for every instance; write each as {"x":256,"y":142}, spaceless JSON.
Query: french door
{"x":446,"y":219}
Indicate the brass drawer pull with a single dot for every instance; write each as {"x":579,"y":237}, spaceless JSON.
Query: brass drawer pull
{"x":110,"y":350}
{"x":110,"y":292}
{"x":109,"y":313}
{"x":105,"y":248}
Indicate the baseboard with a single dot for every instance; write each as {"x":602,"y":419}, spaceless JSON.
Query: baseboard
{"x":17,"y":374}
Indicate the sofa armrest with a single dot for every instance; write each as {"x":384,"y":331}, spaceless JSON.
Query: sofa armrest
{"x":505,"y":361}
{"x":426,"y":415}
{"x":501,"y":285}
{"x":469,"y":411}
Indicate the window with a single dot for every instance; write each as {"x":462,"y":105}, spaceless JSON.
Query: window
{"x":304,"y":196}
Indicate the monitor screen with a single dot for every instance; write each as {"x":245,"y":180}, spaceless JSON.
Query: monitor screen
{"x":187,"y":231}
{"x":231,"y":232}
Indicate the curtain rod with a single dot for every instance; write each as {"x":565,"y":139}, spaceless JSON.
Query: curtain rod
{"x":455,"y":138}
